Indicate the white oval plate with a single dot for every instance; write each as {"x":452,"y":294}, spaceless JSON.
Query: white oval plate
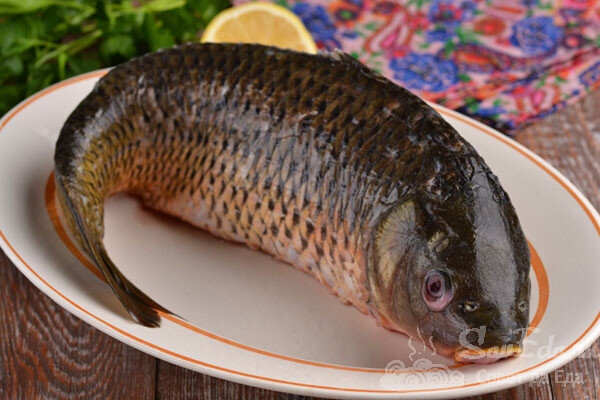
{"x":250,"y":319}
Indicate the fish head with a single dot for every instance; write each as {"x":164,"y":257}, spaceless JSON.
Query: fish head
{"x":455,"y":272}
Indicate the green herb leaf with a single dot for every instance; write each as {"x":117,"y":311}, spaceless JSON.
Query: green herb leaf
{"x":25,"y":6}
{"x":78,"y":65}
{"x":72,"y":47}
{"x":10,"y":95}
{"x":116,"y":48}
{"x":158,"y":38}
{"x":11,"y":67}
{"x":39,"y":78}
{"x":43,"y":41}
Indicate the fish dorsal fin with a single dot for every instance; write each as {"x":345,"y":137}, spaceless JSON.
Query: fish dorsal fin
{"x":345,"y":58}
{"x":340,"y":55}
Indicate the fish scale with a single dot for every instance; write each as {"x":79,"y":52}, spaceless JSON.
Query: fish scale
{"x":305,"y":157}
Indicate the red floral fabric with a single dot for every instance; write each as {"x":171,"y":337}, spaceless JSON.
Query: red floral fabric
{"x":506,"y":62}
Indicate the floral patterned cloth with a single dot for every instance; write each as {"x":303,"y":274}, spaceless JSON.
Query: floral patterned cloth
{"x":506,"y":62}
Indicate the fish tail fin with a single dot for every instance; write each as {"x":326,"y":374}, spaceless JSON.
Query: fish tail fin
{"x":142,"y":308}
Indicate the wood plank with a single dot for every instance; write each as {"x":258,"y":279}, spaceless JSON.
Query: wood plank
{"x":178,"y":383}
{"x":45,"y":352}
{"x":537,"y":390}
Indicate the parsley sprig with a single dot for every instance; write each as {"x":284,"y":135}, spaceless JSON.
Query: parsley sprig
{"x":45,"y":41}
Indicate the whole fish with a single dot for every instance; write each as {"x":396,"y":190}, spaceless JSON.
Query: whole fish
{"x":318,"y":161}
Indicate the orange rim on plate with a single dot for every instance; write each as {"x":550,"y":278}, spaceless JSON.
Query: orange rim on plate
{"x":535,"y":259}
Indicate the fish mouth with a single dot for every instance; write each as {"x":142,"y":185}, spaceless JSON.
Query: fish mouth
{"x":487,"y":356}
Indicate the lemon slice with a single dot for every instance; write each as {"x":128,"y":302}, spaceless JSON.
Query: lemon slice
{"x":262,"y":23}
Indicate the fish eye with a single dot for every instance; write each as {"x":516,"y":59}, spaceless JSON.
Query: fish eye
{"x":437,"y":290}
{"x":469,"y":306}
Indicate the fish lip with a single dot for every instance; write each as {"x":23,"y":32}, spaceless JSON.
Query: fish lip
{"x":488,"y":355}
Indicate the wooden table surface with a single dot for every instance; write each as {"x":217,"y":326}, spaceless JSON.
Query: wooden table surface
{"x":45,"y":352}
